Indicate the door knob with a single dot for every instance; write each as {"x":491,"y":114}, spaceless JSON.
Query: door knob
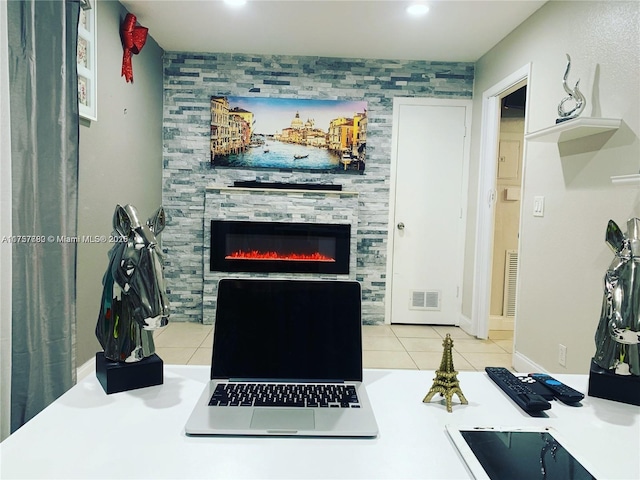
{"x":401,"y":226}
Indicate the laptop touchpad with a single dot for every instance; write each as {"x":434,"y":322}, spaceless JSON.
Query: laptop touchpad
{"x":282,"y":419}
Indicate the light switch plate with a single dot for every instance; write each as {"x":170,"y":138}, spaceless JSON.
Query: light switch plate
{"x":538,"y":206}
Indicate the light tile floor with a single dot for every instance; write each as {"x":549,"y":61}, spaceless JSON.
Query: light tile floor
{"x":415,"y":347}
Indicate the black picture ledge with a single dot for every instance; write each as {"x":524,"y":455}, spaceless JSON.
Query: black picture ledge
{"x":287,"y":186}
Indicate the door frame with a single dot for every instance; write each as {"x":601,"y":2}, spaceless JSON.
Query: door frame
{"x":425,"y":101}
{"x":489,"y":141}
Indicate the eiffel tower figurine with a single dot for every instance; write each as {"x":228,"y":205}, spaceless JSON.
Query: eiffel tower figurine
{"x":446,"y":381}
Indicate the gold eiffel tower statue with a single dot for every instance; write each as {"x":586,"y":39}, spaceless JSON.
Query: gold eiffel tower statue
{"x":446,"y":381}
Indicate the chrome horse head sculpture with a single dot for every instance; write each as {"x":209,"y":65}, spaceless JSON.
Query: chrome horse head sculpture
{"x":134,"y":300}
{"x":618,"y":333}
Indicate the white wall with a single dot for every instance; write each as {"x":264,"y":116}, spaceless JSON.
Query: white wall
{"x":120,"y":159}
{"x":563,"y":256}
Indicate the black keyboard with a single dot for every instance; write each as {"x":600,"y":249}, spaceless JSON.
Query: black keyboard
{"x":243,"y":394}
{"x":519,"y":392}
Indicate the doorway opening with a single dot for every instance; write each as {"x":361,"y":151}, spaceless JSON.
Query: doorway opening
{"x":487,"y":193}
{"x":506,"y":220}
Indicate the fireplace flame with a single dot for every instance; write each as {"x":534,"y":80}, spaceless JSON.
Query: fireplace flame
{"x":287,"y":257}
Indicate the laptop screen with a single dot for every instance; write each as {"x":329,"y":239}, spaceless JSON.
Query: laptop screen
{"x":288,"y":330}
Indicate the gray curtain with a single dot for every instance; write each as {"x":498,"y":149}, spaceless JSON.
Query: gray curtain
{"x":44,"y":155}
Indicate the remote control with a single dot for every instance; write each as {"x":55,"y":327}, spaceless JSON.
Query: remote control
{"x":519,"y":392}
{"x":537,"y":387}
{"x":562,"y":392}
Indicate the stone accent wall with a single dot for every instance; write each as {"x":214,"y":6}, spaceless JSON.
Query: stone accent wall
{"x":224,"y":203}
{"x":189,"y":82}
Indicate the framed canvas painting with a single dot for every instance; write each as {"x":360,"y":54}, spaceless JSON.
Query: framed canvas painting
{"x":290,"y":134}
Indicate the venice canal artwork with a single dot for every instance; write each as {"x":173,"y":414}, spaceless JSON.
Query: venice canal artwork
{"x":320,"y":135}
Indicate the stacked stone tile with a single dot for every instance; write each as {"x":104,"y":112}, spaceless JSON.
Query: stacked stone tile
{"x":190,"y":79}
{"x":250,"y":204}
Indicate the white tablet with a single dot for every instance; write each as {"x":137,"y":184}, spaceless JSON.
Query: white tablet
{"x":502,"y":453}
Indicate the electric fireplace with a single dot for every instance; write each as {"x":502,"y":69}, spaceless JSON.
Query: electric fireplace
{"x":280,"y":247}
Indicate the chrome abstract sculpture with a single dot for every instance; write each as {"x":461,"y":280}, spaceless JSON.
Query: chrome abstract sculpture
{"x":618,"y":333}
{"x":134,"y":300}
{"x":574,"y":95}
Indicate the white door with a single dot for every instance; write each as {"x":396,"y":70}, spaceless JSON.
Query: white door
{"x":428,"y":213}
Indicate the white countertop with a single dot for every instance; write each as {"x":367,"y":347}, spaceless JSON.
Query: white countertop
{"x":140,"y":434}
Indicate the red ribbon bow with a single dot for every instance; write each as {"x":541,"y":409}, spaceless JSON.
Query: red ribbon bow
{"x":133,"y":39}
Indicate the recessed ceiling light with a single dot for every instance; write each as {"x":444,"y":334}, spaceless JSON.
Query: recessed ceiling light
{"x":417,"y":9}
{"x":235,"y":3}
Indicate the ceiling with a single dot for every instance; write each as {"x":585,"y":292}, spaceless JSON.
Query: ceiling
{"x":452,"y":30}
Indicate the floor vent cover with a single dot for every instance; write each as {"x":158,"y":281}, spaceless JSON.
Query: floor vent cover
{"x":510,"y":283}
{"x":425,"y":300}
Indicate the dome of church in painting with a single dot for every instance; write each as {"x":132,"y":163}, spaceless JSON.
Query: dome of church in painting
{"x":297,"y":123}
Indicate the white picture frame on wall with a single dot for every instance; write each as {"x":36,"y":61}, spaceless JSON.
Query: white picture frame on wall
{"x":87,"y":61}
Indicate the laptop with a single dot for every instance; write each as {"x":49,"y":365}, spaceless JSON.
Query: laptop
{"x":287,"y":361}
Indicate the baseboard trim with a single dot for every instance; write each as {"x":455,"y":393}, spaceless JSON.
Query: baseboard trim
{"x":523,"y":364}
{"x":86,"y":369}
{"x":498,"y":322}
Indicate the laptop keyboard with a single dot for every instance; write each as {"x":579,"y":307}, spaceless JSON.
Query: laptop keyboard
{"x":243,"y":394}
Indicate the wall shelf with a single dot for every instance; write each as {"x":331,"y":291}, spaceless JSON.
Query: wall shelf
{"x":582,"y":128}
{"x":574,"y":129}
{"x":626,"y":180}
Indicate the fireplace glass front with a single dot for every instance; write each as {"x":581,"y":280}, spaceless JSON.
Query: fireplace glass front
{"x":246,"y":246}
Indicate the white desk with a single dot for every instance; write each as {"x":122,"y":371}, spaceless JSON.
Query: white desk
{"x":140,"y":434}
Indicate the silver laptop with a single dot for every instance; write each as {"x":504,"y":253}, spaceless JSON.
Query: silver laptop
{"x":287,"y":360}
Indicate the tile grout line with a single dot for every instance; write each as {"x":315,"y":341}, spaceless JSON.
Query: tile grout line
{"x":192,"y":355}
{"x":475,"y":369}
{"x":405,"y":349}
{"x":413,"y":360}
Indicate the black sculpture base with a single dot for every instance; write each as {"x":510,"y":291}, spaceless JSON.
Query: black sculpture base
{"x":120,"y":377}
{"x":620,"y":388}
